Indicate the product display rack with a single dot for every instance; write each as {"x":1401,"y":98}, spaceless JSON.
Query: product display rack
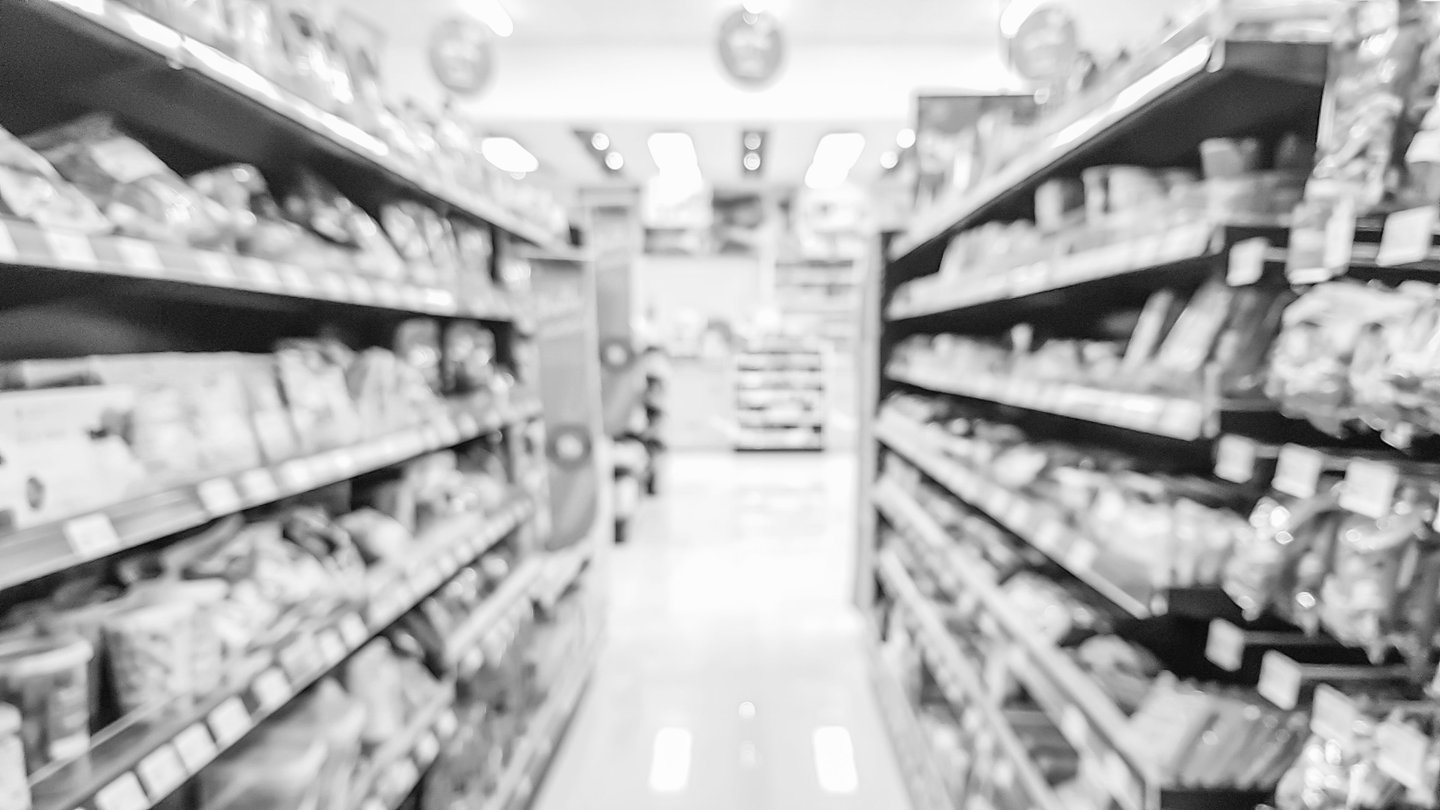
{"x":780,"y":398}
{"x":917,"y":564}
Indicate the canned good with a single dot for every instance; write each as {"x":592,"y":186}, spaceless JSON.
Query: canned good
{"x":47,"y":679}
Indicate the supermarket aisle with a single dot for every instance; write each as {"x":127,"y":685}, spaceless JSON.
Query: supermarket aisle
{"x":734,"y":676}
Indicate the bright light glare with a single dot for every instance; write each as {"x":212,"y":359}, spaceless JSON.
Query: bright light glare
{"x":835,"y":156}
{"x":1015,"y":13}
{"x":674,"y":154}
{"x":600,"y":142}
{"x":507,"y":155}
{"x":753,"y":140}
{"x":494,"y":15}
{"x":670,"y":764}
{"x":889,"y":160}
{"x":905,"y":138}
{"x":614,"y":161}
{"x":754,"y":6}
{"x":752,"y":162}
{"x":747,"y":710}
{"x":835,"y":760}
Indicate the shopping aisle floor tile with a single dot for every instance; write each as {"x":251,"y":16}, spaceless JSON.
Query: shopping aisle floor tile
{"x":734,"y":676}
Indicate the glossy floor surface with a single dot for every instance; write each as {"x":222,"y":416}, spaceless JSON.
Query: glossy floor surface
{"x":735,"y":672}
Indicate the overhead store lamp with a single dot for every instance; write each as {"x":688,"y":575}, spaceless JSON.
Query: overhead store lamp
{"x":905,"y":138}
{"x":753,"y":142}
{"x":600,"y":147}
{"x":507,"y":155}
{"x":614,"y":161}
{"x":835,"y":156}
{"x":889,"y":160}
{"x":494,"y":15}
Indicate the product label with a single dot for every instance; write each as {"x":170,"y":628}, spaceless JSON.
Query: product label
{"x":196,"y":748}
{"x":219,"y":497}
{"x":1225,"y":645}
{"x":1407,"y":235}
{"x":124,"y":793}
{"x":71,"y":249}
{"x":161,"y":772}
{"x":1235,"y":459}
{"x":229,"y":722}
{"x":91,"y":536}
{"x":1297,"y":471}
{"x":1280,"y":680}
{"x":1247,"y":262}
{"x":1369,"y":488}
{"x":141,"y":258}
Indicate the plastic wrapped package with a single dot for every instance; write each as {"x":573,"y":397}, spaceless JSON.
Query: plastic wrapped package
{"x":312,"y":378}
{"x":152,"y":654}
{"x":31,"y":189}
{"x":305,"y":67}
{"x":316,"y":204}
{"x":1181,"y":358}
{"x":47,"y":680}
{"x":1264,"y":572}
{"x":417,"y":342}
{"x":379,"y":537}
{"x":136,"y":191}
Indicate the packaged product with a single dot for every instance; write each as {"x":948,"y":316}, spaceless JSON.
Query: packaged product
{"x":373,"y":676}
{"x":1056,"y":202}
{"x":1181,"y":358}
{"x":151,"y":649}
{"x":305,"y":68}
{"x":357,"y":46}
{"x":203,"y":19}
{"x":14,"y":791}
{"x":236,"y":188}
{"x":134,"y":188}
{"x":316,"y":204}
{"x":469,"y":357}
{"x":249,"y":35}
{"x":30,"y":188}
{"x":417,"y":343}
{"x":46,"y":679}
{"x":379,"y":537}
{"x":312,"y":379}
{"x":1264,"y":572}
{"x":1229,"y":157}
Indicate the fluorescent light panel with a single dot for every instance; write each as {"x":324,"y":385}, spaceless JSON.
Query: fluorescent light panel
{"x":507,"y":155}
{"x":835,"y":156}
{"x":670,"y":762}
{"x":494,"y":15}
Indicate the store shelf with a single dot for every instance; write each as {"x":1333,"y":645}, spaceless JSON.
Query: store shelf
{"x":561,"y":570}
{"x":912,"y":751}
{"x":547,"y":726}
{"x":1130,"y":591}
{"x":779,"y":381}
{"x":396,"y":768}
{"x":23,"y":244}
{"x":38,"y":551}
{"x":1090,"y":721}
{"x":958,"y":678}
{"x":138,"y":764}
{"x":1184,"y":252}
{"x":211,"y":102}
{"x":490,"y":630}
{"x":1214,"y":86}
{"x":1157,"y":415}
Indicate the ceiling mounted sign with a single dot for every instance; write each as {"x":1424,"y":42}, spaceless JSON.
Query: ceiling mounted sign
{"x":751,"y":47}
{"x":1045,"y":45}
{"x":462,"y":55}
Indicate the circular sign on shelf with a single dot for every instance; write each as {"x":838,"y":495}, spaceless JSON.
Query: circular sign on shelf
{"x":570,"y":445}
{"x":616,"y":353}
{"x":1045,"y":45}
{"x":751,"y":47}
{"x":462,"y":55}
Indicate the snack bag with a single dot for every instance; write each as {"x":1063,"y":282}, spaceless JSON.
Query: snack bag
{"x":30,"y":188}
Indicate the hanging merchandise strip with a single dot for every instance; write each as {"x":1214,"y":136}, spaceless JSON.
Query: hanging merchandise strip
{"x":395,"y":769}
{"x":962,"y":685}
{"x":25,"y":245}
{"x":136,"y":771}
{"x":1182,"y":243}
{"x":913,"y":751}
{"x":261,"y":100}
{"x":1030,"y":522}
{"x":1090,"y":721}
{"x":546,"y":726}
{"x":35,"y":552}
{"x":1158,"y":415}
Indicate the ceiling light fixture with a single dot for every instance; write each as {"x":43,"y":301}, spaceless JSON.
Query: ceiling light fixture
{"x":905,"y":138}
{"x":494,"y":15}
{"x":599,"y":141}
{"x":889,"y":160}
{"x":753,"y":140}
{"x":751,"y":161}
{"x":835,"y":156}
{"x":614,"y":161}
{"x":507,"y":155}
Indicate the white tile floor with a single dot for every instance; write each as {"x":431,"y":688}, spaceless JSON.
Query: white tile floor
{"x":734,"y":676}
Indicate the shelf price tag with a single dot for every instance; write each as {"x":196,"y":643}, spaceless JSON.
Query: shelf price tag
{"x":353,"y":630}
{"x":1247,"y":262}
{"x":1407,"y":235}
{"x":299,"y":658}
{"x":140,"y":257}
{"x":1369,"y":488}
{"x":271,"y":690}
{"x":1280,"y":680}
{"x":229,"y":721}
{"x":71,"y":249}
{"x":332,"y":649}
{"x":427,"y":749}
{"x":124,"y":793}
{"x":215,"y":266}
{"x":219,"y":496}
{"x":161,"y":772}
{"x":1225,"y":645}
{"x":1333,"y":715}
{"x":1297,"y":471}
{"x":297,"y":475}
{"x":259,"y":485}
{"x":1403,"y":754}
{"x":1235,"y":459}
{"x":91,"y":536}
{"x":196,"y":748}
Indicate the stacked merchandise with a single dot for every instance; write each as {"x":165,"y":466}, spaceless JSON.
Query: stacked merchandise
{"x":780,"y":397}
{"x":96,"y":176}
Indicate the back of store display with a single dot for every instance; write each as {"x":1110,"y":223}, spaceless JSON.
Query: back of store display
{"x":274,"y":506}
{"x":1155,"y":482}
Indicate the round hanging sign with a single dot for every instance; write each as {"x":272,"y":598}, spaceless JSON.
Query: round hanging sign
{"x":751,"y":47}
{"x":462,"y":55}
{"x":1045,"y":45}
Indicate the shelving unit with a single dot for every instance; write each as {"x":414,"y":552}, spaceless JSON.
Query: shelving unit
{"x":780,"y":398}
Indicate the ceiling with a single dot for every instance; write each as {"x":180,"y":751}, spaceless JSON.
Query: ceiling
{"x":633,"y":67}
